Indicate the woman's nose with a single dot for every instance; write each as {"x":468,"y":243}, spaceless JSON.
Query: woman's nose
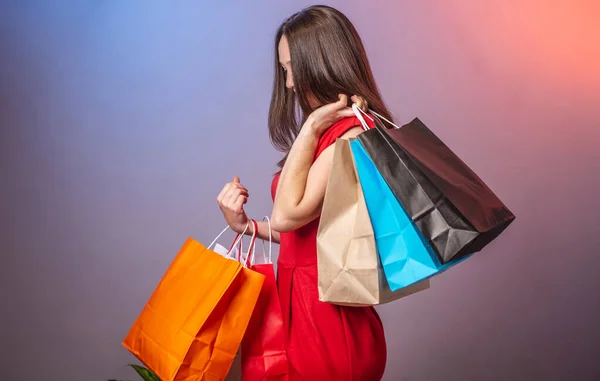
{"x":289,"y":81}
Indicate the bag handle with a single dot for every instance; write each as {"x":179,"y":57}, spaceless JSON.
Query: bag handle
{"x":251,"y":249}
{"x":409,"y":177}
{"x":267,"y":259}
{"x":358,"y":112}
{"x":238,"y":239}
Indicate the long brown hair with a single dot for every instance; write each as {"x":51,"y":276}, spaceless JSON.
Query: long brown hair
{"x":328,"y":58}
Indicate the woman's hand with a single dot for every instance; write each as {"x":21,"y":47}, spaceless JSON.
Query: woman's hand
{"x":326,"y":116}
{"x":231,"y":202}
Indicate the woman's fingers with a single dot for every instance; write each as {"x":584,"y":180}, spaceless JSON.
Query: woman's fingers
{"x":238,"y":204}
{"x":360,"y":102}
{"x":342,"y":101}
{"x":345,"y":113}
{"x":230,"y":192}
{"x":341,"y":106}
{"x":222,"y":194}
{"x":233,"y":195}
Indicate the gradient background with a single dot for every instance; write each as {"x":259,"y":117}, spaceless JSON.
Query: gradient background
{"x":121,"y":120}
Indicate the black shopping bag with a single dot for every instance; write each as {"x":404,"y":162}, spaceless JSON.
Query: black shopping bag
{"x":453,"y":208}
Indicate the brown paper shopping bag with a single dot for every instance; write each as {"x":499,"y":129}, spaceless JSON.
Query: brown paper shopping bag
{"x":350,"y":272}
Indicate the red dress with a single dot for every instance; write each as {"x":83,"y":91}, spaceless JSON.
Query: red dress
{"x":324,"y":341}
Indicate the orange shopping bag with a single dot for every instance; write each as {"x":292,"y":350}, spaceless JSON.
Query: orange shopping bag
{"x":193,"y":324}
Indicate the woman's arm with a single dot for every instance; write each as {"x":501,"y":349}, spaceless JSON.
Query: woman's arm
{"x":263,"y":232}
{"x":302,"y":184}
{"x":290,"y":205}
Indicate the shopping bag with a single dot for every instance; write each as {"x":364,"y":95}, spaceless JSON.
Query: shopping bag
{"x":349,"y":269}
{"x":452,"y":207}
{"x":406,"y":256}
{"x":263,"y":346}
{"x":193,"y":324}
{"x":219,"y":249}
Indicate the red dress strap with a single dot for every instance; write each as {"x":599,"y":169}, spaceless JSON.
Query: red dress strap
{"x":337,"y":130}
{"x":274,"y":183}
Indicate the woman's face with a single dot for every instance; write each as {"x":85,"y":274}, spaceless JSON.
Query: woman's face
{"x":286,"y":63}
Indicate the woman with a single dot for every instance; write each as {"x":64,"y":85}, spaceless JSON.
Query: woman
{"x":319,"y":58}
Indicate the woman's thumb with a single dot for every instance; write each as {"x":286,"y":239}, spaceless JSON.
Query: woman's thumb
{"x":236,"y":180}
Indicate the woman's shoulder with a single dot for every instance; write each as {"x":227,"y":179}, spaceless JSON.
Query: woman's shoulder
{"x":338,"y":130}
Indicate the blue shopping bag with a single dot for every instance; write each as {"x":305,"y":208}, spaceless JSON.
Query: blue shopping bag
{"x":405,"y":254}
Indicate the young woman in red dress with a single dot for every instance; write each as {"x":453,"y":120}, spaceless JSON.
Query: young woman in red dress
{"x":319,"y":61}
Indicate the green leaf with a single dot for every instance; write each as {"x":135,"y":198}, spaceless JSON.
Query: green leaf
{"x":145,"y":373}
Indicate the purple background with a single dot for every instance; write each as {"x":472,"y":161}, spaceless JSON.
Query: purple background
{"x":121,"y":120}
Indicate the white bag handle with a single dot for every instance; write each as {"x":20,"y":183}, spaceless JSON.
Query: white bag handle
{"x":235,"y":243}
{"x":358,"y":112}
{"x":252,"y":248}
{"x":267,"y":260}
